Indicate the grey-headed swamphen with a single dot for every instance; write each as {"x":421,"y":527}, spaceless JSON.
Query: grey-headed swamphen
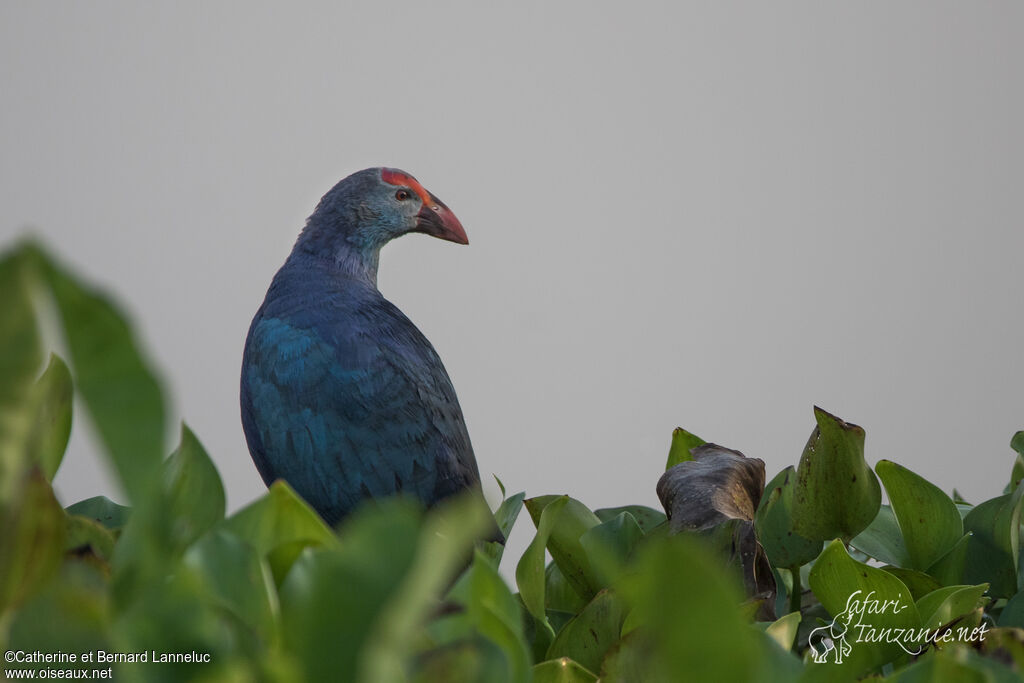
{"x":341,"y":395}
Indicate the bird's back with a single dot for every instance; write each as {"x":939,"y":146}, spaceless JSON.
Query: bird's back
{"x":344,"y":398}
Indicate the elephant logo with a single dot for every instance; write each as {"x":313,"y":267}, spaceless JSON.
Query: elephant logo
{"x":831,"y":638}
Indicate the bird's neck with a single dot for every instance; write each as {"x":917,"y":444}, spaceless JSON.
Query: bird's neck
{"x":339,"y":257}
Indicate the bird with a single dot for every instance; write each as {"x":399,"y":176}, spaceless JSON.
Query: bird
{"x":341,"y":394}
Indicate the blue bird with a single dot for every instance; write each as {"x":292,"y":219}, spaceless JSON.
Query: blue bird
{"x":341,"y":395}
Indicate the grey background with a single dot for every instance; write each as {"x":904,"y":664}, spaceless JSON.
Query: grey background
{"x":710,"y":215}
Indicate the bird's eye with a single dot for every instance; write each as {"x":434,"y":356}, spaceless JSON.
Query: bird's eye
{"x":402,"y":195}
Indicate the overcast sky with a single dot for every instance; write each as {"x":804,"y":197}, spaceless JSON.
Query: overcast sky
{"x":711,"y":215}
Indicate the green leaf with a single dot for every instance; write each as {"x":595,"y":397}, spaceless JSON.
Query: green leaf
{"x":942,"y":606}
{"x":939,"y":667}
{"x":610,"y":544}
{"x":444,"y":543}
{"x":562,"y":670}
{"x":279,"y":517}
{"x":836,"y":493}
{"x":774,"y":524}
{"x":995,"y":543}
{"x":1017,"y":443}
{"x":587,"y":637}
{"x":239,"y":580}
{"x":530,"y":570}
{"x":195,"y":495}
{"x":842,"y":584}
{"x":918,"y":583}
{"x":51,"y":408}
{"x":682,"y":442}
{"x":103,"y":510}
{"x":32,"y":530}
{"x":647,"y":517}
{"x":676,"y":582}
{"x":20,"y":356}
{"x":473,"y":659}
{"x":505,"y":517}
{"x":564,"y":542}
{"x":333,"y":595}
{"x":118,"y":387}
{"x":883,"y":540}
{"x":83,"y":535}
{"x":928,"y":518}
{"x":558,"y":594}
{"x":949,"y":569}
{"x":1013,"y":612}
{"x":495,"y":613}
{"x":783,"y":630}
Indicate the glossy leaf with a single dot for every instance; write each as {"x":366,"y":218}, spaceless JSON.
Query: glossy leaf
{"x":661,"y":592}
{"x":103,"y":510}
{"x":610,"y":544}
{"x":718,"y":484}
{"x":587,"y":637}
{"x":883,"y":540}
{"x":20,"y":357}
{"x":564,"y":542}
{"x":940,"y":667}
{"x":530,"y":570}
{"x":942,"y":606}
{"x":32,"y":531}
{"x":334,"y":594}
{"x":682,"y":443}
{"x":84,"y":535}
{"x":841,"y":584}
{"x":562,"y":670}
{"x":279,"y":517}
{"x":949,"y":569}
{"x":51,"y":417}
{"x":927,"y":517}
{"x":918,"y":583}
{"x":836,"y":493}
{"x":994,"y":545}
{"x":646,"y":517}
{"x":239,"y":579}
{"x":195,"y":494}
{"x":783,"y":630}
{"x":558,"y":594}
{"x":495,"y":613}
{"x":505,"y":517}
{"x":774,"y":524}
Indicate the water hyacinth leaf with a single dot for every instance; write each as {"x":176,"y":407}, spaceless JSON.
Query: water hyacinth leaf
{"x":32,"y":531}
{"x":928,"y":519}
{"x":1013,"y":613}
{"x":942,"y":606}
{"x":20,"y":357}
{"x":239,"y":580}
{"x":939,"y":667}
{"x":564,"y":542}
{"x":646,"y":517}
{"x":836,"y":494}
{"x":587,"y":637}
{"x":445,"y":541}
{"x":882,"y":539}
{"x":842,"y":585}
{"x":195,"y":494}
{"x":505,"y":518}
{"x":717,"y":485}
{"x":115,"y":381}
{"x":530,"y":571}
{"x":735,"y":542}
{"x":682,"y":443}
{"x":87,"y":536}
{"x":333,"y":595}
{"x":949,"y":569}
{"x":609,"y":545}
{"x":783,"y":630}
{"x":471,"y":659}
{"x":918,"y":583}
{"x":1017,"y":442}
{"x":562,"y":670}
{"x":495,"y":613}
{"x":661,"y":592}
{"x":51,"y":421}
{"x":774,"y":524}
{"x":994,"y":543}
{"x":280,"y":516}
{"x":103,"y":510}
{"x":558,"y":594}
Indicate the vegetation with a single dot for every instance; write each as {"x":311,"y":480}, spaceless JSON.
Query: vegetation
{"x":742,"y":581}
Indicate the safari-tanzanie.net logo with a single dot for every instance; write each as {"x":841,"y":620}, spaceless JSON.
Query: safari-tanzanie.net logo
{"x":855,"y":625}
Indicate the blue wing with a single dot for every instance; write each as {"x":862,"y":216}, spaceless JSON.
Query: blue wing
{"x":351,"y":406}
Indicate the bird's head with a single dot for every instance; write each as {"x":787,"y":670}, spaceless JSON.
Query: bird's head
{"x":369,"y":208}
